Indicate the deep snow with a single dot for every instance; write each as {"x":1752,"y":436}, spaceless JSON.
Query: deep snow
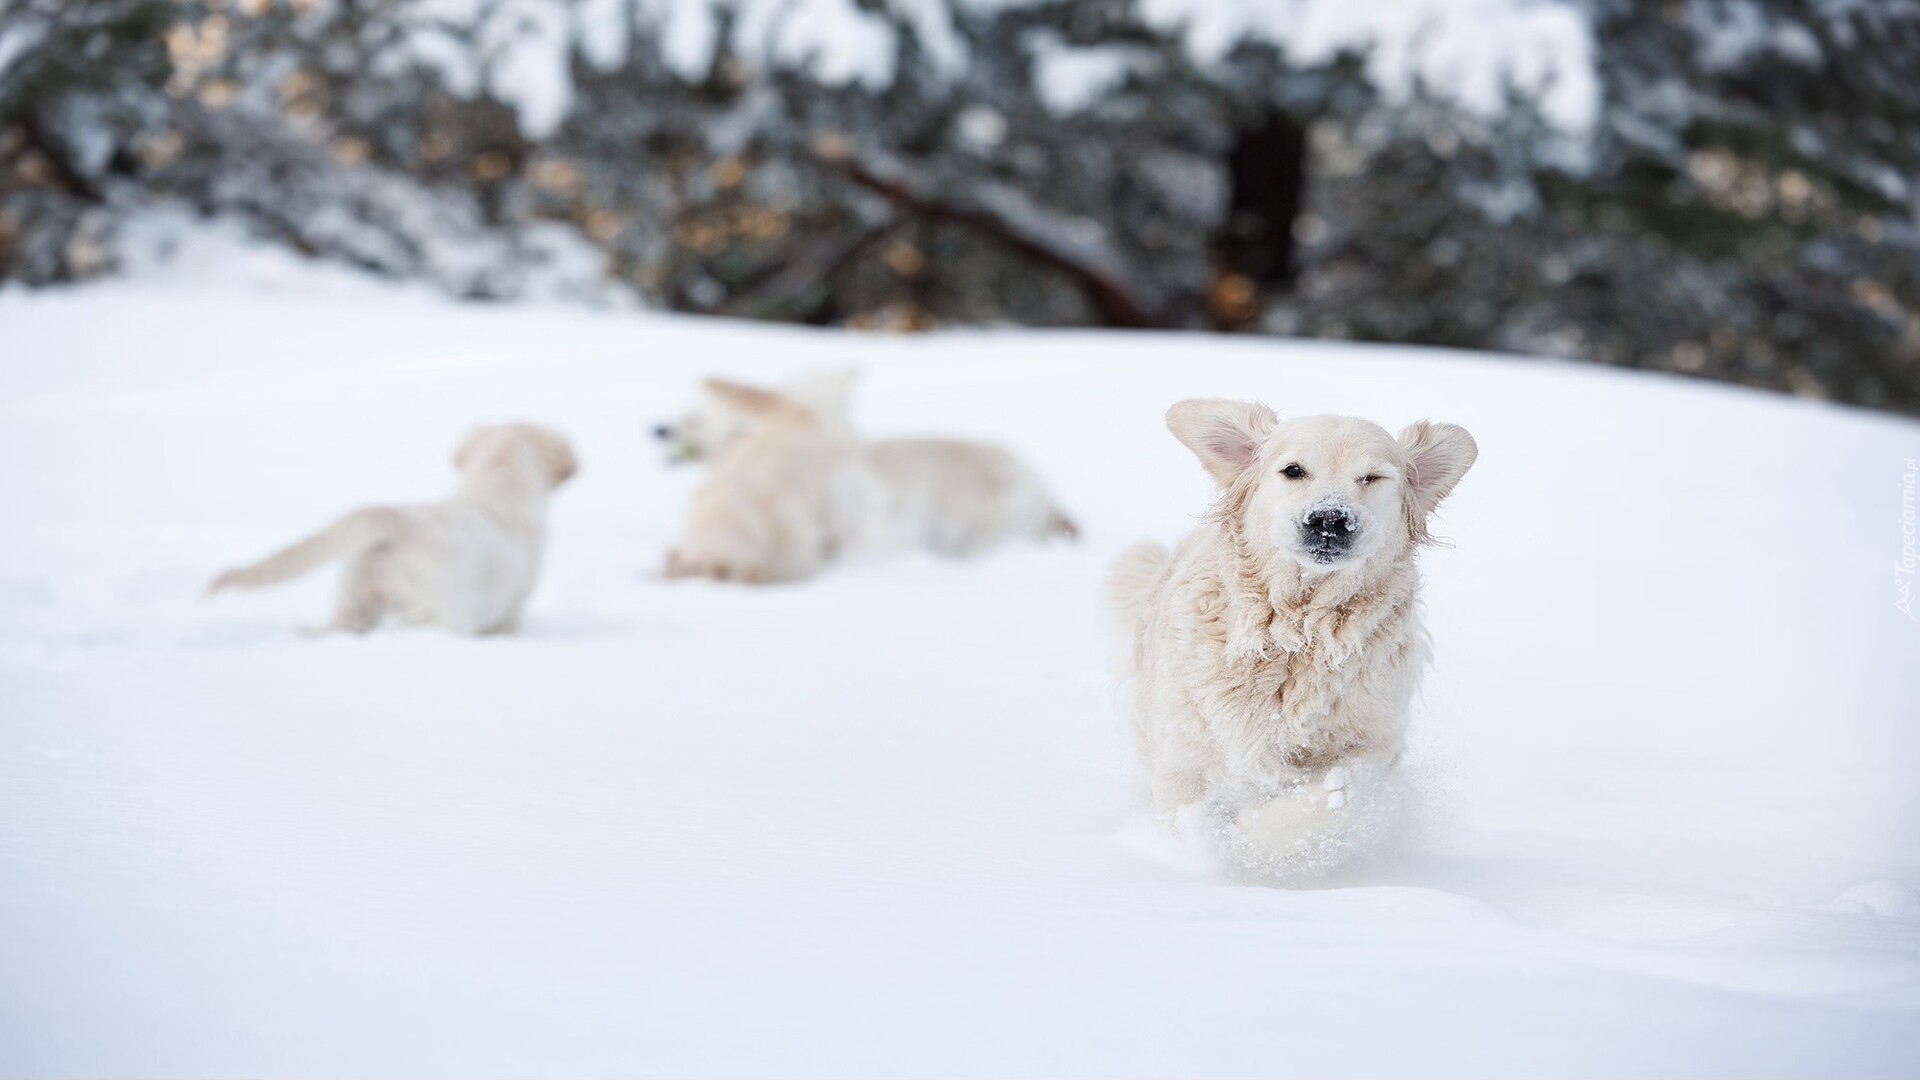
{"x":880,"y":823}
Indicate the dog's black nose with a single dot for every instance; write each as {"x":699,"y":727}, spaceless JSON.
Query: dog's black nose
{"x":1330,"y":523}
{"x":662,"y":432}
{"x":1328,"y":532}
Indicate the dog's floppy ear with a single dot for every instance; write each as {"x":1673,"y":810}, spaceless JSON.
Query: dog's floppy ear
{"x":1438,"y":455}
{"x":1224,"y":434}
{"x":750,"y":399}
{"x":562,"y":463}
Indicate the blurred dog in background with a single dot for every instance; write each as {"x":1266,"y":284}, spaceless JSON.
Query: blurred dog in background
{"x":467,"y":564}
{"x":950,"y":496}
{"x":787,"y":493}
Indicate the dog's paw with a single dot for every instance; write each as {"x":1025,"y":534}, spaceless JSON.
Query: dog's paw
{"x":680,"y":567}
{"x":675,"y":566}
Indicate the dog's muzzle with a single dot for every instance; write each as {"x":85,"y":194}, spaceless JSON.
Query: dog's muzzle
{"x":1327,"y":533}
{"x":678,"y":452}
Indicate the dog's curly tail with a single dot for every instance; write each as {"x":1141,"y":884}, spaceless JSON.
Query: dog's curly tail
{"x":1130,"y":578}
{"x":347,"y":537}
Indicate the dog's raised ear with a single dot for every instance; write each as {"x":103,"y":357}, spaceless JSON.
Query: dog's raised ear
{"x":1224,"y":434}
{"x":1438,"y":455}
{"x":751,"y":400}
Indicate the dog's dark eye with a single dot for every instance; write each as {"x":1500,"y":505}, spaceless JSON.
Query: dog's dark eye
{"x":1294,"y":472}
{"x":1371,"y":478}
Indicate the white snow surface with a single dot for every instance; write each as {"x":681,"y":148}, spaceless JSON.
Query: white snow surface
{"x":881,"y":823}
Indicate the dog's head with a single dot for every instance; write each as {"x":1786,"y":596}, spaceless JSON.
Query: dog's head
{"x":1328,"y":492}
{"x":522,"y":447}
{"x":729,"y":411}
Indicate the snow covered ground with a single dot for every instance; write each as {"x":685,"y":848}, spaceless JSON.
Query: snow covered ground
{"x":881,"y":823}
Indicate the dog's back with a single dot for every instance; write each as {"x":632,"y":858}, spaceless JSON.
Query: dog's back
{"x":960,"y":498}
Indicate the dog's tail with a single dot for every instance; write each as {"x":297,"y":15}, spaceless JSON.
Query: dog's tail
{"x":345,"y":538}
{"x":1130,"y":578}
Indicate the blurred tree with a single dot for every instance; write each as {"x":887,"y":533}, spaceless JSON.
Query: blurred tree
{"x":79,"y":84}
{"x":1715,"y":187}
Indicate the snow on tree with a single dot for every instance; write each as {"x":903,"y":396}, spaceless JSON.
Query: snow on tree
{"x":1718,"y":187}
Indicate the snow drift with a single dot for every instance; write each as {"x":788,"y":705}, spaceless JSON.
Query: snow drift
{"x":1668,"y":823}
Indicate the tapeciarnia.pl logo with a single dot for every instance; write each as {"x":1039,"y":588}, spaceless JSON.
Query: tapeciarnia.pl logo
{"x":1903,"y":568}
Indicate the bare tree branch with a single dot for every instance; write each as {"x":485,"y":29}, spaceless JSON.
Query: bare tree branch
{"x":1010,"y":217}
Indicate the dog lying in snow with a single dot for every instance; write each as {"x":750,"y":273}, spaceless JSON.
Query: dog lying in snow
{"x":788,"y":494}
{"x":467,"y":564}
{"x":1278,"y":646}
{"x":949,"y":496}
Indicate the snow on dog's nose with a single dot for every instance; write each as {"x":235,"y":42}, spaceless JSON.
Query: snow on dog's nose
{"x":1327,"y":533}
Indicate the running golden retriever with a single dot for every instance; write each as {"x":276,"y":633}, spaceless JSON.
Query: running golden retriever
{"x":1279,"y":644}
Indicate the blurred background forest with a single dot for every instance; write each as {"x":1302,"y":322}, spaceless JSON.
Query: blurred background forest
{"x":1722,"y":188}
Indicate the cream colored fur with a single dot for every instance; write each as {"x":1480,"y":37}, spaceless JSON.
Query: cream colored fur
{"x":781,"y":502}
{"x":467,"y":564}
{"x":959,"y":498}
{"x":1251,"y":667}
{"x":950,"y":496}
